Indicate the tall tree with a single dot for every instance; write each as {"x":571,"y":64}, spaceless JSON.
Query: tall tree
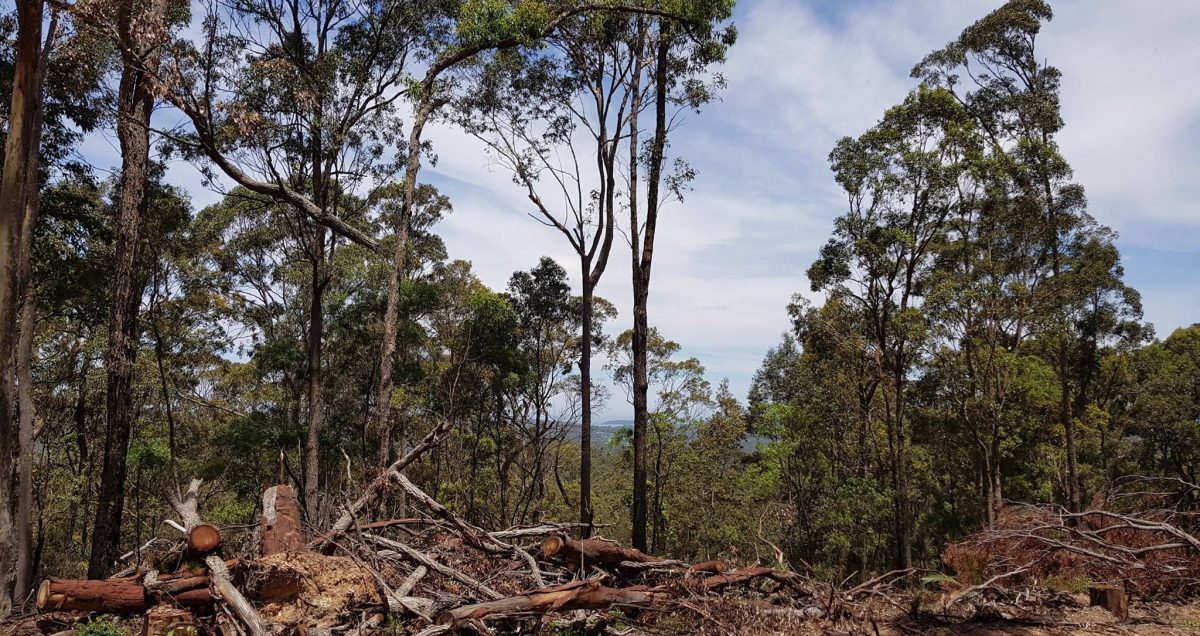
{"x":1013,"y":97}
{"x":482,"y":27}
{"x":682,"y":398}
{"x":25,"y":431}
{"x":18,"y":185}
{"x":537,"y":115}
{"x":141,"y":32}
{"x":308,"y":123}
{"x":683,"y":50}
{"x":901,"y":182}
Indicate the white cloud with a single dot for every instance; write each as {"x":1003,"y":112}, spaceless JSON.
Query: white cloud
{"x":805,"y":74}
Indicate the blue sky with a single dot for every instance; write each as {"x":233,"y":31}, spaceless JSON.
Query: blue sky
{"x":803,"y":74}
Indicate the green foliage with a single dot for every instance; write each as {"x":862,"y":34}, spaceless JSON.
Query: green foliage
{"x":975,"y":322}
{"x":484,"y":22}
{"x":103,"y":625}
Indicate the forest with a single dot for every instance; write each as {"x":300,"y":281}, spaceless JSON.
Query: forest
{"x":975,"y":388}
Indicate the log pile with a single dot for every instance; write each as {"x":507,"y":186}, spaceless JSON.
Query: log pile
{"x":435,"y":573}
{"x":445,"y":576}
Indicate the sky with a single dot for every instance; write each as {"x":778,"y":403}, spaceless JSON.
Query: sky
{"x":807,"y":72}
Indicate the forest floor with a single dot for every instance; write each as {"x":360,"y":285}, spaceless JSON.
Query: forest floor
{"x":322,"y":608}
{"x":439,"y":575}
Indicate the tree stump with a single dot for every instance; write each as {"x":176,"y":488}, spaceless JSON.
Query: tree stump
{"x":1111,"y":598}
{"x":280,"y":529}
{"x":163,"y":620}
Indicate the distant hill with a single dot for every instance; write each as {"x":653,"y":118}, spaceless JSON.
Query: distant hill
{"x":601,"y":433}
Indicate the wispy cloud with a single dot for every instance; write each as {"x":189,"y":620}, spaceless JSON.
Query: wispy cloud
{"x":806,"y":73}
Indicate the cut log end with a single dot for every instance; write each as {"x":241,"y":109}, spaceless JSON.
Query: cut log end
{"x":204,"y":538}
{"x":552,"y":545}
{"x":43,"y":594}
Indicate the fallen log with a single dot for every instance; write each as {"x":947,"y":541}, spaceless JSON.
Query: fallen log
{"x":122,"y":597}
{"x":412,"y":580}
{"x":539,"y":530}
{"x":741,"y":575}
{"x":280,"y":525}
{"x":585,"y":552}
{"x":715,"y":566}
{"x":167,"y":587}
{"x":186,"y":507}
{"x":409,"y":605}
{"x":718,"y":582}
{"x":199,"y":597}
{"x":579,"y":595}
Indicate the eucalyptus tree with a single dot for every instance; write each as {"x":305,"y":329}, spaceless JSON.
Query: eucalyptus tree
{"x":482,"y":27}
{"x":542,"y":116}
{"x":674,"y":56}
{"x":901,"y":179}
{"x":138,"y":33}
{"x":683,"y":397}
{"x":19,"y":185}
{"x":58,"y":100}
{"x":548,"y":340}
{"x":296,"y":102}
{"x":994,"y":70}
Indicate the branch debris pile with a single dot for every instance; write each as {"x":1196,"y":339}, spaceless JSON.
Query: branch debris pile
{"x":440,"y":574}
{"x":1138,"y":537}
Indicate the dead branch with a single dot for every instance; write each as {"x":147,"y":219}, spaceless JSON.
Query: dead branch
{"x":405,"y":552}
{"x":377,"y":485}
{"x":185,"y":507}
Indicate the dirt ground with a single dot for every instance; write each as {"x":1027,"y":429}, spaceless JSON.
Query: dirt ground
{"x":726,"y":617}
{"x":1071,"y":617}
{"x":1145,"y":619}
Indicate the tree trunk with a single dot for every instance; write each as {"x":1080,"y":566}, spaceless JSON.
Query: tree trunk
{"x":20,"y":152}
{"x":387,"y":352}
{"x":583,"y":552}
{"x":316,"y":415}
{"x":641,"y":289}
{"x":1074,"y":497}
{"x":585,"y":398}
{"x":638,"y":510}
{"x":280,"y":526}
{"x":134,"y":105}
{"x":25,"y":450}
{"x":92,"y":596}
{"x":578,"y":595}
